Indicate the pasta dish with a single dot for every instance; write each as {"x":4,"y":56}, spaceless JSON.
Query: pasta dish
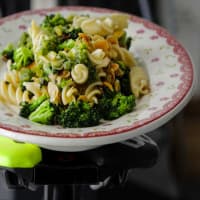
{"x":73,"y":71}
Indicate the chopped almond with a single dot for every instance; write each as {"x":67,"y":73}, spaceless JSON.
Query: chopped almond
{"x":115,"y":66}
{"x":101,"y":44}
{"x":83,"y":98}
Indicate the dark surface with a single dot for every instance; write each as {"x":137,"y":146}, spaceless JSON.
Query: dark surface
{"x":72,"y":173}
{"x":145,"y":8}
{"x":11,"y":6}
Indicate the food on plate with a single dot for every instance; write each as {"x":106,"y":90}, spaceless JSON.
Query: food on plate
{"x":73,"y":71}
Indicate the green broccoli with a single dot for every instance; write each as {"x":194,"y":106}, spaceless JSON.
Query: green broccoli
{"x":44,"y":114}
{"x":49,"y":43}
{"x":92,"y":73}
{"x":125,"y":83}
{"x":116,"y":106}
{"x":79,"y":53}
{"x":67,"y":45}
{"x":22,"y":57}
{"x":8,"y":52}
{"x":79,"y":114}
{"x":124,"y":79}
{"x":73,"y":33}
{"x":25,"y":41}
{"x":54,"y":20}
{"x":27,"y":108}
{"x":125,"y":41}
{"x":25,"y":75}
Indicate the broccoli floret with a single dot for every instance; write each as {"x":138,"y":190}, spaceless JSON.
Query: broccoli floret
{"x":64,"y":82}
{"x":124,"y":79}
{"x":67,"y":45}
{"x":73,"y":33}
{"x":114,"y":107}
{"x":25,"y":75}
{"x":79,"y":114}
{"x":27,"y":108}
{"x":8,"y":52}
{"x":49,"y":43}
{"x":22,"y":58}
{"x":25,"y":41}
{"x":125,"y":83}
{"x":54,"y":20}
{"x":79,"y":53}
{"x":76,"y":55}
{"x":44,"y":114}
{"x":125,"y":41}
{"x":92,"y":73}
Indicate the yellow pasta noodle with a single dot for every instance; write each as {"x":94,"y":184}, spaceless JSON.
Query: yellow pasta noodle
{"x":53,"y":92}
{"x":92,"y":90}
{"x":139,"y":81}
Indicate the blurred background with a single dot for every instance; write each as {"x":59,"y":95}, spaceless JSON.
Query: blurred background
{"x":176,"y":176}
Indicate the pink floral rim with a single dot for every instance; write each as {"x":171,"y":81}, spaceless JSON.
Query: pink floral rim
{"x":183,"y":58}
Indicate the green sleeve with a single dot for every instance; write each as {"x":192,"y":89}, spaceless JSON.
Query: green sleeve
{"x":15,"y":154}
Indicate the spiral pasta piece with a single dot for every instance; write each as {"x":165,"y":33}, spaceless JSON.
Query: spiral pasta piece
{"x":12,"y":77}
{"x":92,"y":91}
{"x":98,"y":57}
{"x":9,"y":93}
{"x":4,"y":91}
{"x":101,"y":74}
{"x":92,"y":26}
{"x":139,"y":81}
{"x":80,"y":73}
{"x":22,"y":96}
{"x":37,"y":36}
{"x":78,"y":20}
{"x":120,"y":21}
{"x":53,"y":92}
{"x":68,"y":94}
{"x":34,"y":88}
{"x":9,"y":86}
{"x":103,"y":25}
{"x":125,"y":55}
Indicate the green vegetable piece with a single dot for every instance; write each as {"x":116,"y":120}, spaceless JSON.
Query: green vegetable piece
{"x":122,"y":65}
{"x":44,"y":114}
{"x":79,"y":54}
{"x":18,"y":155}
{"x":67,"y":45}
{"x":54,"y":20}
{"x":25,"y":41}
{"x":64,"y":82}
{"x":48,"y":44}
{"x":114,"y":107}
{"x":125,"y":41}
{"x":125,"y":83}
{"x":73,"y":34}
{"x":79,"y":114}
{"x":25,"y":75}
{"x":22,"y":58}
{"x":27,"y":108}
{"x":8,"y":52}
{"x":58,"y":30}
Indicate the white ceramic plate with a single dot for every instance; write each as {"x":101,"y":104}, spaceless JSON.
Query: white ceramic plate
{"x":171,"y":75}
